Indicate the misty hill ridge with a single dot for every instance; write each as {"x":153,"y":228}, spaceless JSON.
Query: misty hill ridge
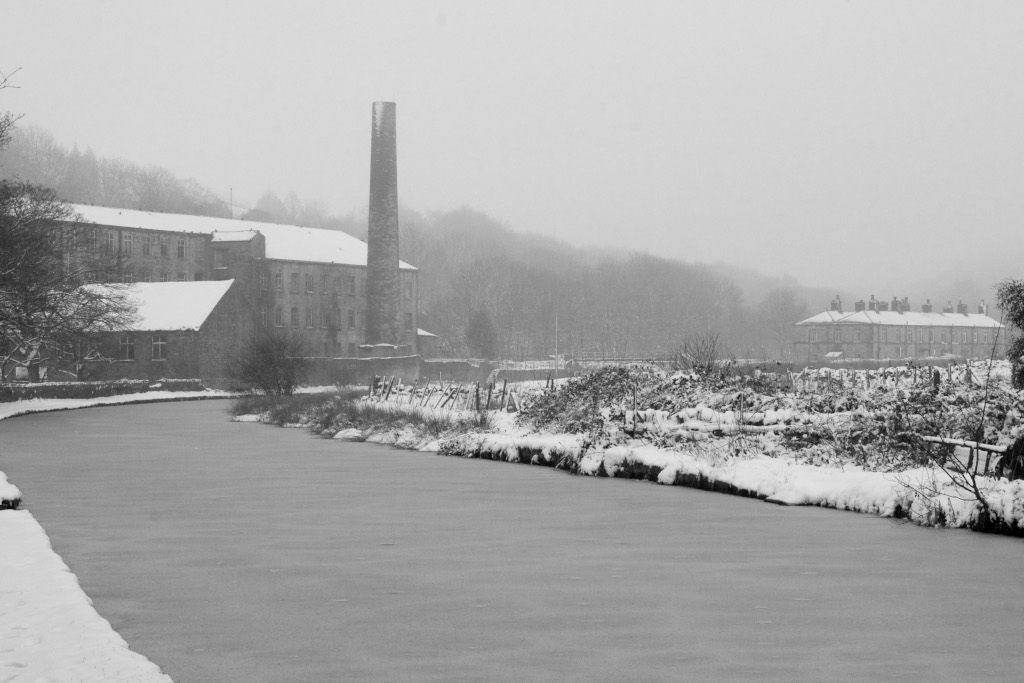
{"x":470,"y":263}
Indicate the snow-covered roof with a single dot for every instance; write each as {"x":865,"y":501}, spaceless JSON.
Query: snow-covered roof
{"x":238,"y":236}
{"x":424,"y":333}
{"x":909,"y":318}
{"x":170,"y":306}
{"x":284,"y":242}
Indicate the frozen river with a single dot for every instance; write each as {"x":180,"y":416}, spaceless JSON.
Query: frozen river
{"x":240,"y":552}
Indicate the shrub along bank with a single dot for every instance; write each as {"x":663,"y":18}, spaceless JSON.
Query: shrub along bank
{"x":348,"y":414}
{"x":868,"y":445}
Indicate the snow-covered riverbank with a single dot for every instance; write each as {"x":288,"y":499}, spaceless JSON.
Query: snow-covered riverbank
{"x":50,"y":630}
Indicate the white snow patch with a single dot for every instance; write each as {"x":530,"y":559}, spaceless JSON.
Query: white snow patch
{"x":171,"y":305}
{"x":284,"y":242}
{"x":8,"y":491}
{"x":50,"y":630}
{"x":42,"y":405}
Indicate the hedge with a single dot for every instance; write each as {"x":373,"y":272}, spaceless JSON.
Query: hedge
{"x":19,"y":392}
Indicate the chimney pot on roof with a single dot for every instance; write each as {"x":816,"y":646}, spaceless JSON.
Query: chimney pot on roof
{"x":926,"y":307}
{"x":858,"y":306}
{"x":961,"y":307}
{"x":982,"y":308}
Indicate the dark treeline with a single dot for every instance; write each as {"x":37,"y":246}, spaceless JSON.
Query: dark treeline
{"x":485,"y":290}
{"x":81,"y":177}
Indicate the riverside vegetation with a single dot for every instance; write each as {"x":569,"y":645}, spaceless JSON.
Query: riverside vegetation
{"x":962,"y":425}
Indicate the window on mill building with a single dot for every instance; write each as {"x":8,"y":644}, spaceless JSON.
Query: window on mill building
{"x":159,"y":347}
{"x":127,"y":347}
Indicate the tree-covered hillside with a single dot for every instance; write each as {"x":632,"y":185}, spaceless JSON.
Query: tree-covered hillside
{"x":81,"y":177}
{"x":478,"y":274}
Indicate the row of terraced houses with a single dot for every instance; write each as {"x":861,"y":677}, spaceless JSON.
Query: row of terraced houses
{"x":891,"y":330}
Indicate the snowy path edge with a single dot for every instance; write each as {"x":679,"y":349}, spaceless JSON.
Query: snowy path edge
{"x":50,"y":629}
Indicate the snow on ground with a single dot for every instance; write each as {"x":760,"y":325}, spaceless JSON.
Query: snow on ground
{"x":42,"y":405}
{"x":49,"y":630}
{"x":923,"y":495}
{"x":8,"y":491}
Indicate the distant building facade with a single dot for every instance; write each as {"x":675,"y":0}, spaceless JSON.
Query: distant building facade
{"x":309,"y":282}
{"x":890,"y":330}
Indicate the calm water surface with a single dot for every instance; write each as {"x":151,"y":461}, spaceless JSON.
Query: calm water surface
{"x":241,"y":552}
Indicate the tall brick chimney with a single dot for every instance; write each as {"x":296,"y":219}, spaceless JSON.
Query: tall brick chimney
{"x":383,"y":292}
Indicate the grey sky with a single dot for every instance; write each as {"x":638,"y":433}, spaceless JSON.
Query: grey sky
{"x":857,"y":144}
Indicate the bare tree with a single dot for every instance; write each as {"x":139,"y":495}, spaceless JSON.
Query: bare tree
{"x":7,"y":119}
{"x":699,"y":353}
{"x":275,"y":364}
{"x":47,"y":263}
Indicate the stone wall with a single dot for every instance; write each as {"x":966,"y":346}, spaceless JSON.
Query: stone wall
{"x":360,"y":371}
{"x":457,"y":370}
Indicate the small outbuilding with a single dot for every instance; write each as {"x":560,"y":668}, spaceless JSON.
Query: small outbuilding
{"x":180,"y":330}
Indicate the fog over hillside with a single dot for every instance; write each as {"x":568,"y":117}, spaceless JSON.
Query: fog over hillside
{"x":606,"y":300}
{"x":861,"y":147}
